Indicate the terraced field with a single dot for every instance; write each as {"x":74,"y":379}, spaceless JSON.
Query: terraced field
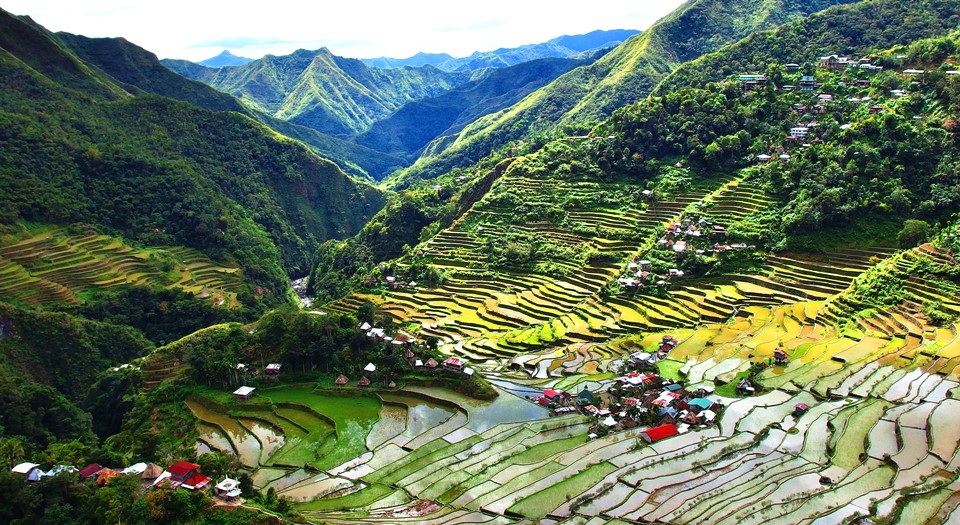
{"x":56,"y":266}
{"x":877,"y":438}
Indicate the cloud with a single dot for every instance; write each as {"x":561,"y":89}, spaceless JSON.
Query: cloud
{"x":481,"y":25}
{"x":243,"y":42}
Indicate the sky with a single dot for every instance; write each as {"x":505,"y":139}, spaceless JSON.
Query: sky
{"x":199,"y":29}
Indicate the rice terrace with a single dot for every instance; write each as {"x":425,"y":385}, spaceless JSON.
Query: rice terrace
{"x":705,"y":272}
{"x":844,"y":415}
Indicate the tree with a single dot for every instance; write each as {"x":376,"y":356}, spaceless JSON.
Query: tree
{"x":914,"y":232}
{"x":12,"y":451}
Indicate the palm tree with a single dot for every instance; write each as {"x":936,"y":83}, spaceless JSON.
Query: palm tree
{"x":11,"y":450}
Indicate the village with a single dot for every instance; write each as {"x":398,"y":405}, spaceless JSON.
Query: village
{"x":179,"y":475}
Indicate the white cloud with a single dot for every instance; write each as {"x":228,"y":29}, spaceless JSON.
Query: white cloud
{"x":198,"y":29}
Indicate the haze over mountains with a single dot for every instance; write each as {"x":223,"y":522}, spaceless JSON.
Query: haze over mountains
{"x":560,"y":47}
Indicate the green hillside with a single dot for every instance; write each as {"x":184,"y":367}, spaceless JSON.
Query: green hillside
{"x":242,"y":193}
{"x":321,"y":91}
{"x":417,"y":123}
{"x":139,"y":71}
{"x":866,"y":27}
{"x":626,"y":74}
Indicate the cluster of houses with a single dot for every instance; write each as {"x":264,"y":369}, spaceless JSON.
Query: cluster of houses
{"x":693,"y":234}
{"x":804,"y":134}
{"x":639,"y":398}
{"x":179,"y":475}
{"x":271,"y":372}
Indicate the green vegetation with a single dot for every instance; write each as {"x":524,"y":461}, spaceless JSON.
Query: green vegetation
{"x":322,"y":91}
{"x":241,"y":194}
{"x":626,"y":74}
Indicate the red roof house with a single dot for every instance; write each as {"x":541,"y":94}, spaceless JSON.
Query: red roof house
{"x":186,"y":475}
{"x":90,"y":470}
{"x":652,"y":435}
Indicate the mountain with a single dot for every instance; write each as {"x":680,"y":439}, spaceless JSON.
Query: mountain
{"x":420,"y":59}
{"x":622,"y":76}
{"x":80,"y":148}
{"x":593,"y":40}
{"x":225,"y":59}
{"x":867,"y":26}
{"x":561,"y":47}
{"x":407,"y":131}
{"x":319,"y":90}
{"x":139,"y":71}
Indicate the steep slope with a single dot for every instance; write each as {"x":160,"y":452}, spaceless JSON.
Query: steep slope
{"x":321,"y":91}
{"x":163,"y":171}
{"x":414,"y":125}
{"x":867,"y":26}
{"x":139,"y":71}
{"x":624,"y":75}
{"x":225,"y":59}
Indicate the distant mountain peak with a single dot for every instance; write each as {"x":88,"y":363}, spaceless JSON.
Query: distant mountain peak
{"x":225,"y":59}
{"x":560,"y":47}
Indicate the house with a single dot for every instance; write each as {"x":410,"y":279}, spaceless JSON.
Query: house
{"x":183,"y":474}
{"x":243,"y":393}
{"x":799,"y":132}
{"x":825,"y":97}
{"x":808,"y":83}
{"x":30,"y":470}
{"x":454,"y":363}
{"x":780,"y":357}
{"x":228,"y":489}
{"x":59,"y":469}
{"x":680,"y":246}
{"x":750,"y":83}
{"x":152,"y":472}
{"x":137,"y":468}
{"x":586,"y":397}
{"x":363,"y":381}
{"x":800,"y":409}
{"x":652,"y":435}
{"x":432,"y":363}
{"x":836,"y":62}
{"x":745,"y":387}
{"x":700,"y":403}
{"x":913,"y":71}
{"x":764,"y":158}
{"x":90,"y":471}
{"x":105,"y":475}
{"x":392,"y":384}
{"x":372,"y":368}
{"x":272,"y":370}
{"x":784,"y":157}
{"x":341,"y":380}
{"x":792,"y":68}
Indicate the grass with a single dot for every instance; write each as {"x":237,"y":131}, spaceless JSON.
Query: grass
{"x":361,"y":498}
{"x":353,"y":417}
{"x":550,"y":498}
{"x":670,"y":369}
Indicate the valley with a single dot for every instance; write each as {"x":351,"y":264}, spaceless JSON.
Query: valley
{"x":703,"y":274}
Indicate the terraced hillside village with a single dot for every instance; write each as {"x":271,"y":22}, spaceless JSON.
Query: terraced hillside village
{"x":736,"y":300}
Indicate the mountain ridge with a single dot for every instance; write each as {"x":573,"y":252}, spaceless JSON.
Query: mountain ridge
{"x":625,"y":74}
{"x":224,"y":59}
{"x":565,"y":46}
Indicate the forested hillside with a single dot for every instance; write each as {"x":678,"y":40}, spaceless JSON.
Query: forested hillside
{"x":407,"y":131}
{"x":626,"y":74}
{"x":322,"y":91}
{"x":241,"y":192}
